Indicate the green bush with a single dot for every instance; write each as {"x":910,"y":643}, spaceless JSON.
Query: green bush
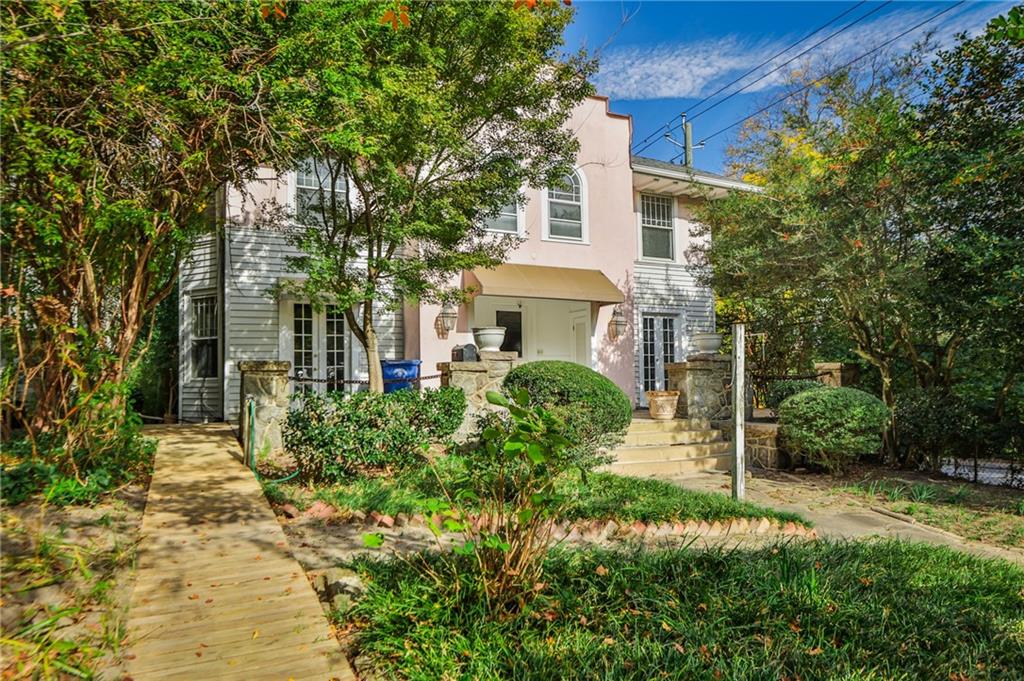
{"x":834,"y":426}
{"x":335,"y":436}
{"x":931,"y":425}
{"x":780,"y":391}
{"x":594,"y":410}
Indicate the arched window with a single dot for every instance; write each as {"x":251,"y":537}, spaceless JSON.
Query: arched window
{"x":566,"y":209}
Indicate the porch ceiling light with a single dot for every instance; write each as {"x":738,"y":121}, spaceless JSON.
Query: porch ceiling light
{"x":617,"y":324}
{"x":445,"y":321}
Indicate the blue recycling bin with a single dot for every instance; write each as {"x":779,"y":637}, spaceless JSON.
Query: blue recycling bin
{"x":396,"y":369}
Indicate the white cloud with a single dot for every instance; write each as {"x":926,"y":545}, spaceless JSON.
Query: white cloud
{"x":696,"y":69}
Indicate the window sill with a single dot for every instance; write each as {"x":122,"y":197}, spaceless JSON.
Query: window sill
{"x":566,"y":240}
{"x":658,"y":261}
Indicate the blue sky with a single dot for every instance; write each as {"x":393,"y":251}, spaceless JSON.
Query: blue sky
{"x":659,"y":59}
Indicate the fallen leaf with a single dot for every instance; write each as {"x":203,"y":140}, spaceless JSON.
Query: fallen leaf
{"x":208,"y":600}
{"x":255,"y":633}
{"x":609,"y":641}
{"x":601,"y":570}
{"x":815,"y":651}
{"x":666,"y":626}
{"x":679,"y":648}
{"x":866,"y":581}
{"x":795,"y":626}
{"x":194,"y":597}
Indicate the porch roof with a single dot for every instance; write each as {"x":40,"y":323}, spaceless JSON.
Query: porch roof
{"x":539,"y":281}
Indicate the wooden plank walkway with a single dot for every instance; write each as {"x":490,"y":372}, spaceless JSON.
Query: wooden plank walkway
{"x":218,"y":594}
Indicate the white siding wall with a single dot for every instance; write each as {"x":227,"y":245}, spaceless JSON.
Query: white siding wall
{"x":670,"y":288}
{"x":256,"y":263}
{"x":198,"y":398}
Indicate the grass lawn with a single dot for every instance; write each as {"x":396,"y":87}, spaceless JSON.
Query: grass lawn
{"x":994,"y":516}
{"x":868,"y":610}
{"x":605,"y":496}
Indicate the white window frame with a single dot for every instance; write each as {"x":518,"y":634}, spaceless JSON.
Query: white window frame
{"x":520,"y":222}
{"x":584,"y":217}
{"x":292,"y":181}
{"x":192,"y":297}
{"x":671,"y":228}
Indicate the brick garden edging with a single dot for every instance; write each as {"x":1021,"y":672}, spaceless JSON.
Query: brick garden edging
{"x":580,"y":530}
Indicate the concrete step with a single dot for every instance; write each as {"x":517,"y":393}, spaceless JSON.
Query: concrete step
{"x":672,"y":467}
{"x":671,"y":452}
{"x":670,"y":437}
{"x":647,"y":425}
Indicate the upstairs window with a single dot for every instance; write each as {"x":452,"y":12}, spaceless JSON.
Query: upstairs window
{"x":314,"y":189}
{"x":656,"y":233}
{"x":565,"y":209}
{"x":506,"y":221}
{"x":204,"y":336}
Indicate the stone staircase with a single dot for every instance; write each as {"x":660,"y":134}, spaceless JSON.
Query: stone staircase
{"x":668,"y":448}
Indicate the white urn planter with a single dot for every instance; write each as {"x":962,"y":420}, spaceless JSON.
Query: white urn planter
{"x":707,"y":342}
{"x":489,"y":338}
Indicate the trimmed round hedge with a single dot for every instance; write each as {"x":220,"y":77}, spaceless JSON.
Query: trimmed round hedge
{"x":833,"y":426}
{"x":596,"y":412}
{"x":781,"y":390}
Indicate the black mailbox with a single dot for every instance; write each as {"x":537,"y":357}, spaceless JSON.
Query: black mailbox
{"x":464,"y":353}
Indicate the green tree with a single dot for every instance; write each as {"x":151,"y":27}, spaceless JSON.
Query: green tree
{"x":453,"y":115}
{"x":121,"y":120}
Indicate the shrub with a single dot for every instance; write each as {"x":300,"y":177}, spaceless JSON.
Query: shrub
{"x":780,"y":391}
{"x":594,"y":410}
{"x":834,"y":426}
{"x":931,"y":425}
{"x":335,"y":436}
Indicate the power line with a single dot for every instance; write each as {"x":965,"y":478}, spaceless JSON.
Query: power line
{"x":763,"y":76}
{"x":781,"y":52}
{"x":834,"y":71}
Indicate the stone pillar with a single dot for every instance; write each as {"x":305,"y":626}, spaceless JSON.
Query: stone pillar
{"x":704,"y":384}
{"x":476,"y":379}
{"x":267,"y":382}
{"x":837,"y":374}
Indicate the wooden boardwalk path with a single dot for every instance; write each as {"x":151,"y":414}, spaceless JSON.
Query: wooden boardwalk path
{"x":218,"y":594}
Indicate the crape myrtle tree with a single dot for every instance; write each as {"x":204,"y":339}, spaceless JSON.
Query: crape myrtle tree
{"x":891,"y":207}
{"x":459,"y":106}
{"x":120,"y":122}
{"x":826,"y":241}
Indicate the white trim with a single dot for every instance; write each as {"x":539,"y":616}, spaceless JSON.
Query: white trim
{"x":638,"y":198}
{"x":520,"y":222}
{"x":584,"y":214}
{"x":697,"y":178}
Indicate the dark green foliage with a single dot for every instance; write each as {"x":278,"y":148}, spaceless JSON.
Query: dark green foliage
{"x":335,"y":436}
{"x":595,"y":411}
{"x":823,"y":610}
{"x":834,"y":426}
{"x":780,"y":391}
{"x":933,"y":424}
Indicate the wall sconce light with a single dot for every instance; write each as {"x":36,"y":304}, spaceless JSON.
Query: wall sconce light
{"x":445,"y":321}
{"x":617,"y":324}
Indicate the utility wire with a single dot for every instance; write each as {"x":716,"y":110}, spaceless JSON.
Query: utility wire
{"x":791,"y":60}
{"x":834,"y":71}
{"x":777,"y":54}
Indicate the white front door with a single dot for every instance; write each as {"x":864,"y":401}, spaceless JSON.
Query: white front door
{"x":657,"y":348}
{"x":579,"y":322}
{"x":314,"y":342}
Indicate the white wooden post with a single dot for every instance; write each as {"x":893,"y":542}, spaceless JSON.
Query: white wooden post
{"x":739,"y":409}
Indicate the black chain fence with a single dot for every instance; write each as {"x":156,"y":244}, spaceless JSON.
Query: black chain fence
{"x":1003,"y":472}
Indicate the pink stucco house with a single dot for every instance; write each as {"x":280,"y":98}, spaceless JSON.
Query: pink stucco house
{"x":612,"y":240}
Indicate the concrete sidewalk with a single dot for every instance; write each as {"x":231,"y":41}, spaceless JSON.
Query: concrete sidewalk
{"x":218,"y":594}
{"x":835,"y":517}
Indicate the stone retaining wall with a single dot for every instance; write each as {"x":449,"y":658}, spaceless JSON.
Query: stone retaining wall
{"x":476,"y":379}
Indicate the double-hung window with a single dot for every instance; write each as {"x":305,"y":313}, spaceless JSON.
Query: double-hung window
{"x":565,"y":209}
{"x":319,"y":190}
{"x":204,"y":336}
{"x":656,"y":233}
{"x":507,"y":220}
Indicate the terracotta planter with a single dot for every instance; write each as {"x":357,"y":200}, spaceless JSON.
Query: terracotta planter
{"x":707,"y":343}
{"x":662,"y":404}
{"x":489,"y":338}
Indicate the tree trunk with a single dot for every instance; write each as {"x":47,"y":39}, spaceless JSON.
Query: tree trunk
{"x":364,"y":331}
